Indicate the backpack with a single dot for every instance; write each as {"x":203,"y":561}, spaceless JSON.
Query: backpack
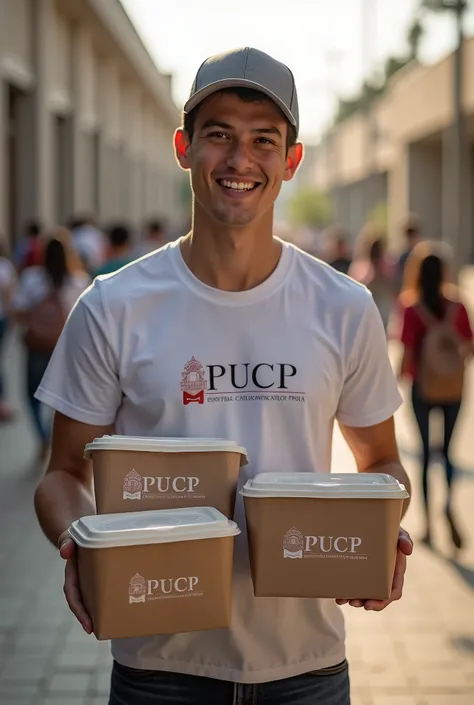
{"x":441,"y":364}
{"x":45,"y":323}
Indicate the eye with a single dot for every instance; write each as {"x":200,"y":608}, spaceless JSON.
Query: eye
{"x":265,"y":140}
{"x":216,"y":134}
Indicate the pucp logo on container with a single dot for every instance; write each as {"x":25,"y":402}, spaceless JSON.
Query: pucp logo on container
{"x":133,"y":485}
{"x":293,"y":544}
{"x":137,"y":487}
{"x":141,"y":590}
{"x":296,"y":545}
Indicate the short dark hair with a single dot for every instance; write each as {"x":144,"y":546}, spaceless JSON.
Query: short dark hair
{"x":119,"y":235}
{"x":33,"y":228}
{"x":248,"y":95}
{"x":155,"y":226}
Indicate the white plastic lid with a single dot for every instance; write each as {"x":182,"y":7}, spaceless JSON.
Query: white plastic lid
{"x":325,"y":486}
{"x":165,"y":445}
{"x":151,"y":527}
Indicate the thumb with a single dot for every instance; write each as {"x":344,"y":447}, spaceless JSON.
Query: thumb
{"x":66,"y":546}
{"x":405,"y":544}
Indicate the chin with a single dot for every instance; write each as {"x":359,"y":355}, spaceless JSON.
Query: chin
{"x":236,"y":220}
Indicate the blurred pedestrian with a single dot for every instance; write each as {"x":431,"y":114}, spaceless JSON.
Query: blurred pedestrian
{"x":374,"y":268}
{"x":412,"y":233}
{"x":28,"y":252}
{"x":7,"y":285}
{"x":339,"y":251}
{"x":437,"y":340}
{"x":89,"y":241}
{"x":45,"y":295}
{"x":155,"y":237}
{"x":119,"y":251}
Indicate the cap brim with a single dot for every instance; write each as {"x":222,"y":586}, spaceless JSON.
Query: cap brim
{"x":237,"y":83}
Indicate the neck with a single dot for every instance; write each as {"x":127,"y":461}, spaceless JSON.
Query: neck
{"x":231,"y":259}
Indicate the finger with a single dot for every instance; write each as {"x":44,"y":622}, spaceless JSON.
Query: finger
{"x":73,"y":596}
{"x":342,"y":602}
{"x":357,"y":603}
{"x":376,"y":605}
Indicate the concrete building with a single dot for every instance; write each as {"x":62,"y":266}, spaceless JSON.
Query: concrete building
{"x":86,"y":118}
{"x":400,"y":153}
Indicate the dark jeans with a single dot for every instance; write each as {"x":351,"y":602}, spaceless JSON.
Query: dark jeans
{"x":135,"y":687}
{"x":36,"y":364}
{"x":422,"y":410}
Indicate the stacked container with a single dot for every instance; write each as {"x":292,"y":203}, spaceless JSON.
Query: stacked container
{"x":157,"y":558}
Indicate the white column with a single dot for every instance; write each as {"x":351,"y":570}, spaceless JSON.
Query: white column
{"x":3,"y":159}
{"x":42,"y":162}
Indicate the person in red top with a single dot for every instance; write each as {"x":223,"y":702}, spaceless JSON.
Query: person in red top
{"x":433,"y":301}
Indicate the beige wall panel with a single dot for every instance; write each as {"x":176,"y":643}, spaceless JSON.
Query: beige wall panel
{"x":16,"y":32}
{"x":60,"y":88}
{"x":421,"y":101}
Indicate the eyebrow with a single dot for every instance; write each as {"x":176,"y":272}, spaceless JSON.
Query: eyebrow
{"x":225,"y":126}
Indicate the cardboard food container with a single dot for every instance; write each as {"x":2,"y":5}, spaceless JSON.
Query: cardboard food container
{"x":323,"y":535}
{"x":158,"y":572}
{"x":133,"y":473}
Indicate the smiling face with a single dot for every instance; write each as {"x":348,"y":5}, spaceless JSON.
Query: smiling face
{"x":238,"y":157}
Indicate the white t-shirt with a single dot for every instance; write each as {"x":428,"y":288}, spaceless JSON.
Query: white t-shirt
{"x":281,"y":362}
{"x":34,"y":286}
{"x":7,"y":280}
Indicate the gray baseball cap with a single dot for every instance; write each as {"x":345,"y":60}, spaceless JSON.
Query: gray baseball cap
{"x":247,"y":68}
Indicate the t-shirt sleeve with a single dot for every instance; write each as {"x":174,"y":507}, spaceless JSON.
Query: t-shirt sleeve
{"x":82,"y":380}
{"x":370,"y":392}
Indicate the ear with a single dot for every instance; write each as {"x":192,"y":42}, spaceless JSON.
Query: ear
{"x":293,"y":161}
{"x":181,"y":147}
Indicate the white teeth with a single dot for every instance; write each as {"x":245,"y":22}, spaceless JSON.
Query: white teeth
{"x":237,"y":186}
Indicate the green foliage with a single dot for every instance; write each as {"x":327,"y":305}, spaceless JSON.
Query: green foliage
{"x":309,"y":207}
{"x":371,"y":89}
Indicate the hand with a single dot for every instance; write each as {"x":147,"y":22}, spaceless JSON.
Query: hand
{"x":405,"y":548}
{"x":67,"y":551}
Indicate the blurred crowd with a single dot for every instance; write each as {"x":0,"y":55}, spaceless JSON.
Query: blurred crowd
{"x":42,"y":278}
{"x":421,"y":308}
{"x":418,"y":303}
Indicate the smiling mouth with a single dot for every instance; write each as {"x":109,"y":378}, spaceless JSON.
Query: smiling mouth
{"x":238,"y":186}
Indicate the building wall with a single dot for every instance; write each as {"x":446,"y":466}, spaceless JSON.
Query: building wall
{"x":86,"y":119}
{"x":410,"y":128}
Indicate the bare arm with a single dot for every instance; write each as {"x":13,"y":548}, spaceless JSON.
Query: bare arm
{"x":65,"y":493}
{"x":375,"y":450}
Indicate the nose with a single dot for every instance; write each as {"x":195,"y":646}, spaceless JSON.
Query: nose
{"x":239,"y":157}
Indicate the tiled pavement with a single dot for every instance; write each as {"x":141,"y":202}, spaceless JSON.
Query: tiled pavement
{"x":418,"y":652}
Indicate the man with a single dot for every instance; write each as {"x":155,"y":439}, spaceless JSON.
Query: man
{"x":412,"y":237}
{"x":29,"y":251}
{"x":120,"y":249}
{"x":261,"y":317}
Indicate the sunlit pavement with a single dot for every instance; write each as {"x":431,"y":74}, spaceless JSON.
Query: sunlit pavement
{"x":419,"y":652}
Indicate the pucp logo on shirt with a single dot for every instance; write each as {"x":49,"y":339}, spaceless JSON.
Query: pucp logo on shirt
{"x":237,"y":382}
{"x":137,"y":487}
{"x":193,"y":382}
{"x":296,"y":545}
{"x":141,"y":590}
